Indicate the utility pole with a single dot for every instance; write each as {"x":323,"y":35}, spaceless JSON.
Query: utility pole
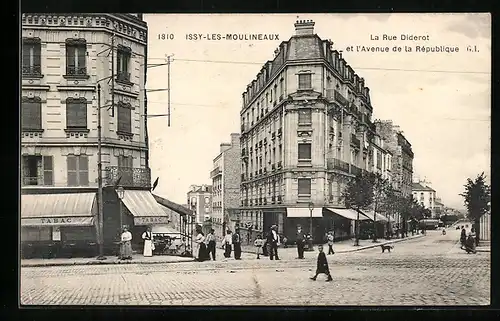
{"x":99,"y":177}
{"x":113,"y":75}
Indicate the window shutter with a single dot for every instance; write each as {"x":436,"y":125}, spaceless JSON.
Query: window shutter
{"x":119,"y":59}
{"x":37,"y":55}
{"x":81,"y":56}
{"x":304,"y":151}
{"x":83,"y":170}
{"x":48,"y":170}
{"x":76,"y":113}
{"x":72,"y":171}
{"x":70,"y":56}
{"x":304,"y":186}
{"x":124,"y":119}
{"x":31,"y":114}
{"x":26,"y":55}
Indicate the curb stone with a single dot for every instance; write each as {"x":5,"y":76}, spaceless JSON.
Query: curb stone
{"x":96,"y":262}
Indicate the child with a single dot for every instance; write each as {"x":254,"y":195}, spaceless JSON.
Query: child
{"x":285,"y":241}
{"x":322,"y":265}
{"x":259,"y":242}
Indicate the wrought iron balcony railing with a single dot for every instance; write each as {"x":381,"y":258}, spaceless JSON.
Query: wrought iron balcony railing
{"x":333,"y":163}
{"x":341,"y":99}
{"x":130,"y":177}
{"x":76,"y":71}
{"x":32,"y":70}
{"x":355,"y":170}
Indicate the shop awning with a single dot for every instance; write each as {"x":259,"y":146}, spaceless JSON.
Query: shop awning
{"x":164,"y":229}
{"x":379,"y":217}
{"x":143,"y":206}
{"x":348,"y":213}
{"x":75,"y":209}
{"x":304,"y":212}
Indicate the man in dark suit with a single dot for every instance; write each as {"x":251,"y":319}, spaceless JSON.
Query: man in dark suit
{"x":272,"y":240}
{"x":301,"y":241}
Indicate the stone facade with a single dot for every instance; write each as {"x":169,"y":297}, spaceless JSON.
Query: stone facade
{"x":199,"y":199}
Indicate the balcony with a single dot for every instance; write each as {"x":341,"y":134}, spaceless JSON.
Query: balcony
{"x":355,"y":170}
{"x":355,"y":141}
{"x":130,"y":177}
{"x":33,"y":71}
{"x":279,"y":199}
{"x":333,"y":163}
{"x":341,"y":99}
{"x":215,"y":172}
{"x":73,"y":71}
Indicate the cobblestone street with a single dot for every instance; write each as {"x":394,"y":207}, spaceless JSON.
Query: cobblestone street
{"x":431,"y":270}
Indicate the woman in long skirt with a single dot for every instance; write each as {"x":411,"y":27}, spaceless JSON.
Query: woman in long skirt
{"x":126,"y":245}
{"x":148,"y":242}
{"x":200,"y":250}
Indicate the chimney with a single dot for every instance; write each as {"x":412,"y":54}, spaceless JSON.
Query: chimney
{"x":304,"y":27}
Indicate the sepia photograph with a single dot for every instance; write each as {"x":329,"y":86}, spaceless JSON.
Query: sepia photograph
{"x":255,"y":159}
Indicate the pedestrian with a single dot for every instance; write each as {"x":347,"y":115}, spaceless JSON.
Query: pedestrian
{"x":265,"y":245}
{"x":200,"y":250}
{"x":322,"y":265}
{"x":237,"y":244}
{"x":470,"y":244}
{"x":147,"y":236}
{"x":463,"y":237}
{"x":211,"y":244}
{"x":330,"y":240}
{"x":126,"y":245}
{"x":259,"y":242}
{"x":301,"y":241}
{"x":228,"y":241}
{"x":272,"y":240}
{"x":473,"y":233}
{"x":285,"y":242}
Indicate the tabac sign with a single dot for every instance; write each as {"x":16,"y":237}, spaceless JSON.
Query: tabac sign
{"x":58,"y":221}
{"x":151,"y":220}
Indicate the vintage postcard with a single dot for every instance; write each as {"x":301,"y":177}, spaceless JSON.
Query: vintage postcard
{"x":255,"y":159}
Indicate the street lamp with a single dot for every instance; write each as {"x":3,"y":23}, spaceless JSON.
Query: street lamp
{"x":120,"y":192}
{"x":311,"y":207}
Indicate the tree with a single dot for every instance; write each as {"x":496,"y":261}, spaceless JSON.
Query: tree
{"x":381,"y":190}
{"x":477,"y":199}
{"x":358,"y":194}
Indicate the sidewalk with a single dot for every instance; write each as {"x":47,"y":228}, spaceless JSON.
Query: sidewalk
{"x":346,"y":246}
{"x":136,"y":259}
{"x":484,"y":246}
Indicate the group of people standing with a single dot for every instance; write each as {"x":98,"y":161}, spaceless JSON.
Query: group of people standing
{"x":468,"y":242}
{"x":205,"y":246}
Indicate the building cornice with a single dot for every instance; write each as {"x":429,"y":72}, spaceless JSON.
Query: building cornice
{"x":121,"y":24}
{"x":86,"y":144}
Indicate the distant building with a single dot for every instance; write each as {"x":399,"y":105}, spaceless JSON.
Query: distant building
{"x":425,"y":195}
{"x":199,"y":200}
{"x":382,"y":158}
{"x":226,"y":180}
{"x":438,"y":207}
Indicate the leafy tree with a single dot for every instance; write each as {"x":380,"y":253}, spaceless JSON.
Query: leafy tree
{"x":381,"y":190}
{"x":358,"y":194}
{"x":477,"y":198}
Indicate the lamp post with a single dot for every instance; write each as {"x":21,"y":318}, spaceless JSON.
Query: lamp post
{"x":120,"y":192}
{"x":311,"y":207}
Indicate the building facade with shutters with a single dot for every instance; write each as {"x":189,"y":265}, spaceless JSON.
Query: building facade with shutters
{"x":426,"y":196}
{"x":226,"y":182}
{"x":199,"y":200}
{"x":305,"y":130}
{"x":64,"y":58}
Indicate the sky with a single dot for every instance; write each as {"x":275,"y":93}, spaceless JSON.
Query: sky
{"x":441,"y":101}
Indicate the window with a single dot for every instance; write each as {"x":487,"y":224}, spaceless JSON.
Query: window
{"x":304,"y":151}
{"x":305,"y":116}
{"x":78,"y":170}
{"x":379,"y":160}
{"x":35,"y":234}
{"x":305,"y":81}
{"x":125,"y":165}
{"x":282,"y":87}
{"x":124,"y":118}
{"x":37,"y":170}
{"x":31,"y":114}
{"x":76,"y":51}
{"x":122,"y":63}
{"x":125,"y":162}
{"x":32,"y":57}
{"x":76,"y":113}
{"x":304,"y":186}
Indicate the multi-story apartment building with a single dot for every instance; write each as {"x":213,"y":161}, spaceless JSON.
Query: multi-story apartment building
{"x":199,"y":199}
{"x":226,"y":180}
{"x":64,"y":58}
{"x":402,"y":155}
{"x":382,"y":158}
{"x":305,"y":129}
{"x":425,"y":195}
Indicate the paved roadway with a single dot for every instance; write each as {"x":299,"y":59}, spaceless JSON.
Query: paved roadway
{"x":426,"y":271}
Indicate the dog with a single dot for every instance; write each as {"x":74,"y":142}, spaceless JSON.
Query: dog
{"x":387,"y":247}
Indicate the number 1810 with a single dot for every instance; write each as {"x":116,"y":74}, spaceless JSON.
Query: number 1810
{"x":165,"y":36}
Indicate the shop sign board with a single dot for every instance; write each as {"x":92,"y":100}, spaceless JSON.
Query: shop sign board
{"x":57,"y":221}
{"x":151,"y":220}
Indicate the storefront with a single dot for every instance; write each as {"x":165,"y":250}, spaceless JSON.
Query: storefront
{"x":302,"y":216}
{"x":58,"y":225}
{"x":380,"y":228}
{"x":345,"y":222}
{"x":146,"y":211}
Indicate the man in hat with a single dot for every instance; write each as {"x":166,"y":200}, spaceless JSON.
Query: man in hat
{"x":301,"y":241}
{"x":272,"y":240}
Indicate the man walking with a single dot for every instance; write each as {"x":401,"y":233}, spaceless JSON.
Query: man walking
{"x":272,"y":240}
{"x":301,"y":240}
{"x":211,"y":245}
{"x":237,"y":244}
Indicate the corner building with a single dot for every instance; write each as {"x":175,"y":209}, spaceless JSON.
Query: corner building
{"x":64,"y":58}
{"x":305,"y":129}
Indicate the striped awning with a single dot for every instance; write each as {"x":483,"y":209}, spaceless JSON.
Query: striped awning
{"x":378,"y":217}
{"x":75,"y":209}
{"x":304,"y":212}
{"x":143,"y":206}
{"x":349,"y":214}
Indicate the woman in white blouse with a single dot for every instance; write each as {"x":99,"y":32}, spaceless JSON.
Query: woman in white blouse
{"x":126,"y":245}
{"x":200,"y":249}
{"x":228,"y":244}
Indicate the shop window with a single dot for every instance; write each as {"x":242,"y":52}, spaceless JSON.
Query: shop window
{"x":36,"y":234}
{"x":80,"y":233}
